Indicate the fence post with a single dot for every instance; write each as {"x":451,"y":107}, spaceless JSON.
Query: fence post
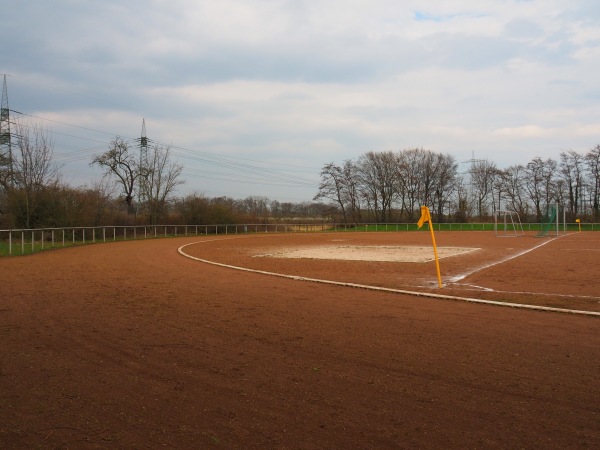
{"x":32,"y":240}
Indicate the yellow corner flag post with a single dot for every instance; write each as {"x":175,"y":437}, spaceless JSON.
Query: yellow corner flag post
{"x":426,"y":217}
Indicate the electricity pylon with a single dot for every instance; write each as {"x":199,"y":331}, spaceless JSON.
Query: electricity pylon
{"x":143,"y":167}
{"x":6,"y":160}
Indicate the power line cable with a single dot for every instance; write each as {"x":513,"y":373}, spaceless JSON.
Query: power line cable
{"x":195,"y":155}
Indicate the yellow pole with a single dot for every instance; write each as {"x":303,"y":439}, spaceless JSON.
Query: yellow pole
{"x":437,"y":261}
{"x":426,"y":217}
{"x":579,"y":222}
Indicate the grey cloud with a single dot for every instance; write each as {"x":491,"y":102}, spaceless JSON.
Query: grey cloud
{"x":126,"y":56}
{"x":522,"y":28}
{"x":469,"y":52}
{"x":583,"y":10}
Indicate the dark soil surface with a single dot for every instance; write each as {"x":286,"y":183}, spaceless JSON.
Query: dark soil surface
{"x":131,"y":345}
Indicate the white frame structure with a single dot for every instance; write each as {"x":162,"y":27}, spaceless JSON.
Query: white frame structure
{"x":555,"y":223}
{"x":510,"y":229}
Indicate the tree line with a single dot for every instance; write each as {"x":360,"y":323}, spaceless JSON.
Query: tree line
{"x":136,"y":188}
{"x":391,"y":186}
{"x":140,"y":187}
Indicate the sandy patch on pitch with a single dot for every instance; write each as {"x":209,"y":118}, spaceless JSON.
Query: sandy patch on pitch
{"x":367,"y":253}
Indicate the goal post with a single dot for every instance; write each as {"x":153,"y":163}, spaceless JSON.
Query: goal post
{"x":507,"y":224}
{"x":551,"y":223}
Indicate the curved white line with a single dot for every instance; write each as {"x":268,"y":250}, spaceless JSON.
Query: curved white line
{"x":383,"y":289}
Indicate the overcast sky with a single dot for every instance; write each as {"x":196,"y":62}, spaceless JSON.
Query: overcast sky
{"x":257,"y":95}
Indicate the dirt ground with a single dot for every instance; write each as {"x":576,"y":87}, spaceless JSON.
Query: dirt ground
{"x":132,"y":345}
{"x":559,"y":273}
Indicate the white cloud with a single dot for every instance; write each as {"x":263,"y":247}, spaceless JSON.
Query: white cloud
{"x":299,"y":80}
{"x":526,"y":131}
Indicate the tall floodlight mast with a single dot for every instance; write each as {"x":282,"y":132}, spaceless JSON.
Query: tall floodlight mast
{"x":5,"y":136}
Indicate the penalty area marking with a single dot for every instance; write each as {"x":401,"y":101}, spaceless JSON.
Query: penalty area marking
{"x":383,"y":289}
{"x":458,"y":278}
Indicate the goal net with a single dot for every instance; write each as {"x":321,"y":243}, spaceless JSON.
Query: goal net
{"x":552,"y":221}
{"x":507,"y":224}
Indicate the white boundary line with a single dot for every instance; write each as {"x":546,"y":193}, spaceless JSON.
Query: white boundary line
{"x":383,"y":289}
{"x":487,"y":266}
{"x":474,"y":287}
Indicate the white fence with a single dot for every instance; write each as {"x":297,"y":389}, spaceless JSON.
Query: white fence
{"x":27,"y":241}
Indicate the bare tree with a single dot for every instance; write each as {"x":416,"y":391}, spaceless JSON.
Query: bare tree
{"x":121,"y":163}
{"x":386,"y":180}
{"x":341,"y":186}
{"x":352,"y":191}
{"x":534,"y":184}
{"x":5,"y":171}
{"x":160,"y":178}
{"x":410,"y":191}
{"x":549,"y":179}
{"x":332,"y":187}
{"x":540,"y":183}
{"x":33,"y":176}
{"x":378,"y":174}
{"x":255,"y":207}
{"x":445,"y":183}
{"x":429,"y":174}
{"x":194,"y":208}
{"x":512,"y":180}
{"x":426,"y":178}
{"x":464,"y":208}
{"x":592,"y":160}
{"x":483,"y":174}
{"x":571,"y":170}
{"x":282,"y":209}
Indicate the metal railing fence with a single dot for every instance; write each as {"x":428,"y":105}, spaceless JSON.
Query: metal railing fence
{"x":28,"y":241}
